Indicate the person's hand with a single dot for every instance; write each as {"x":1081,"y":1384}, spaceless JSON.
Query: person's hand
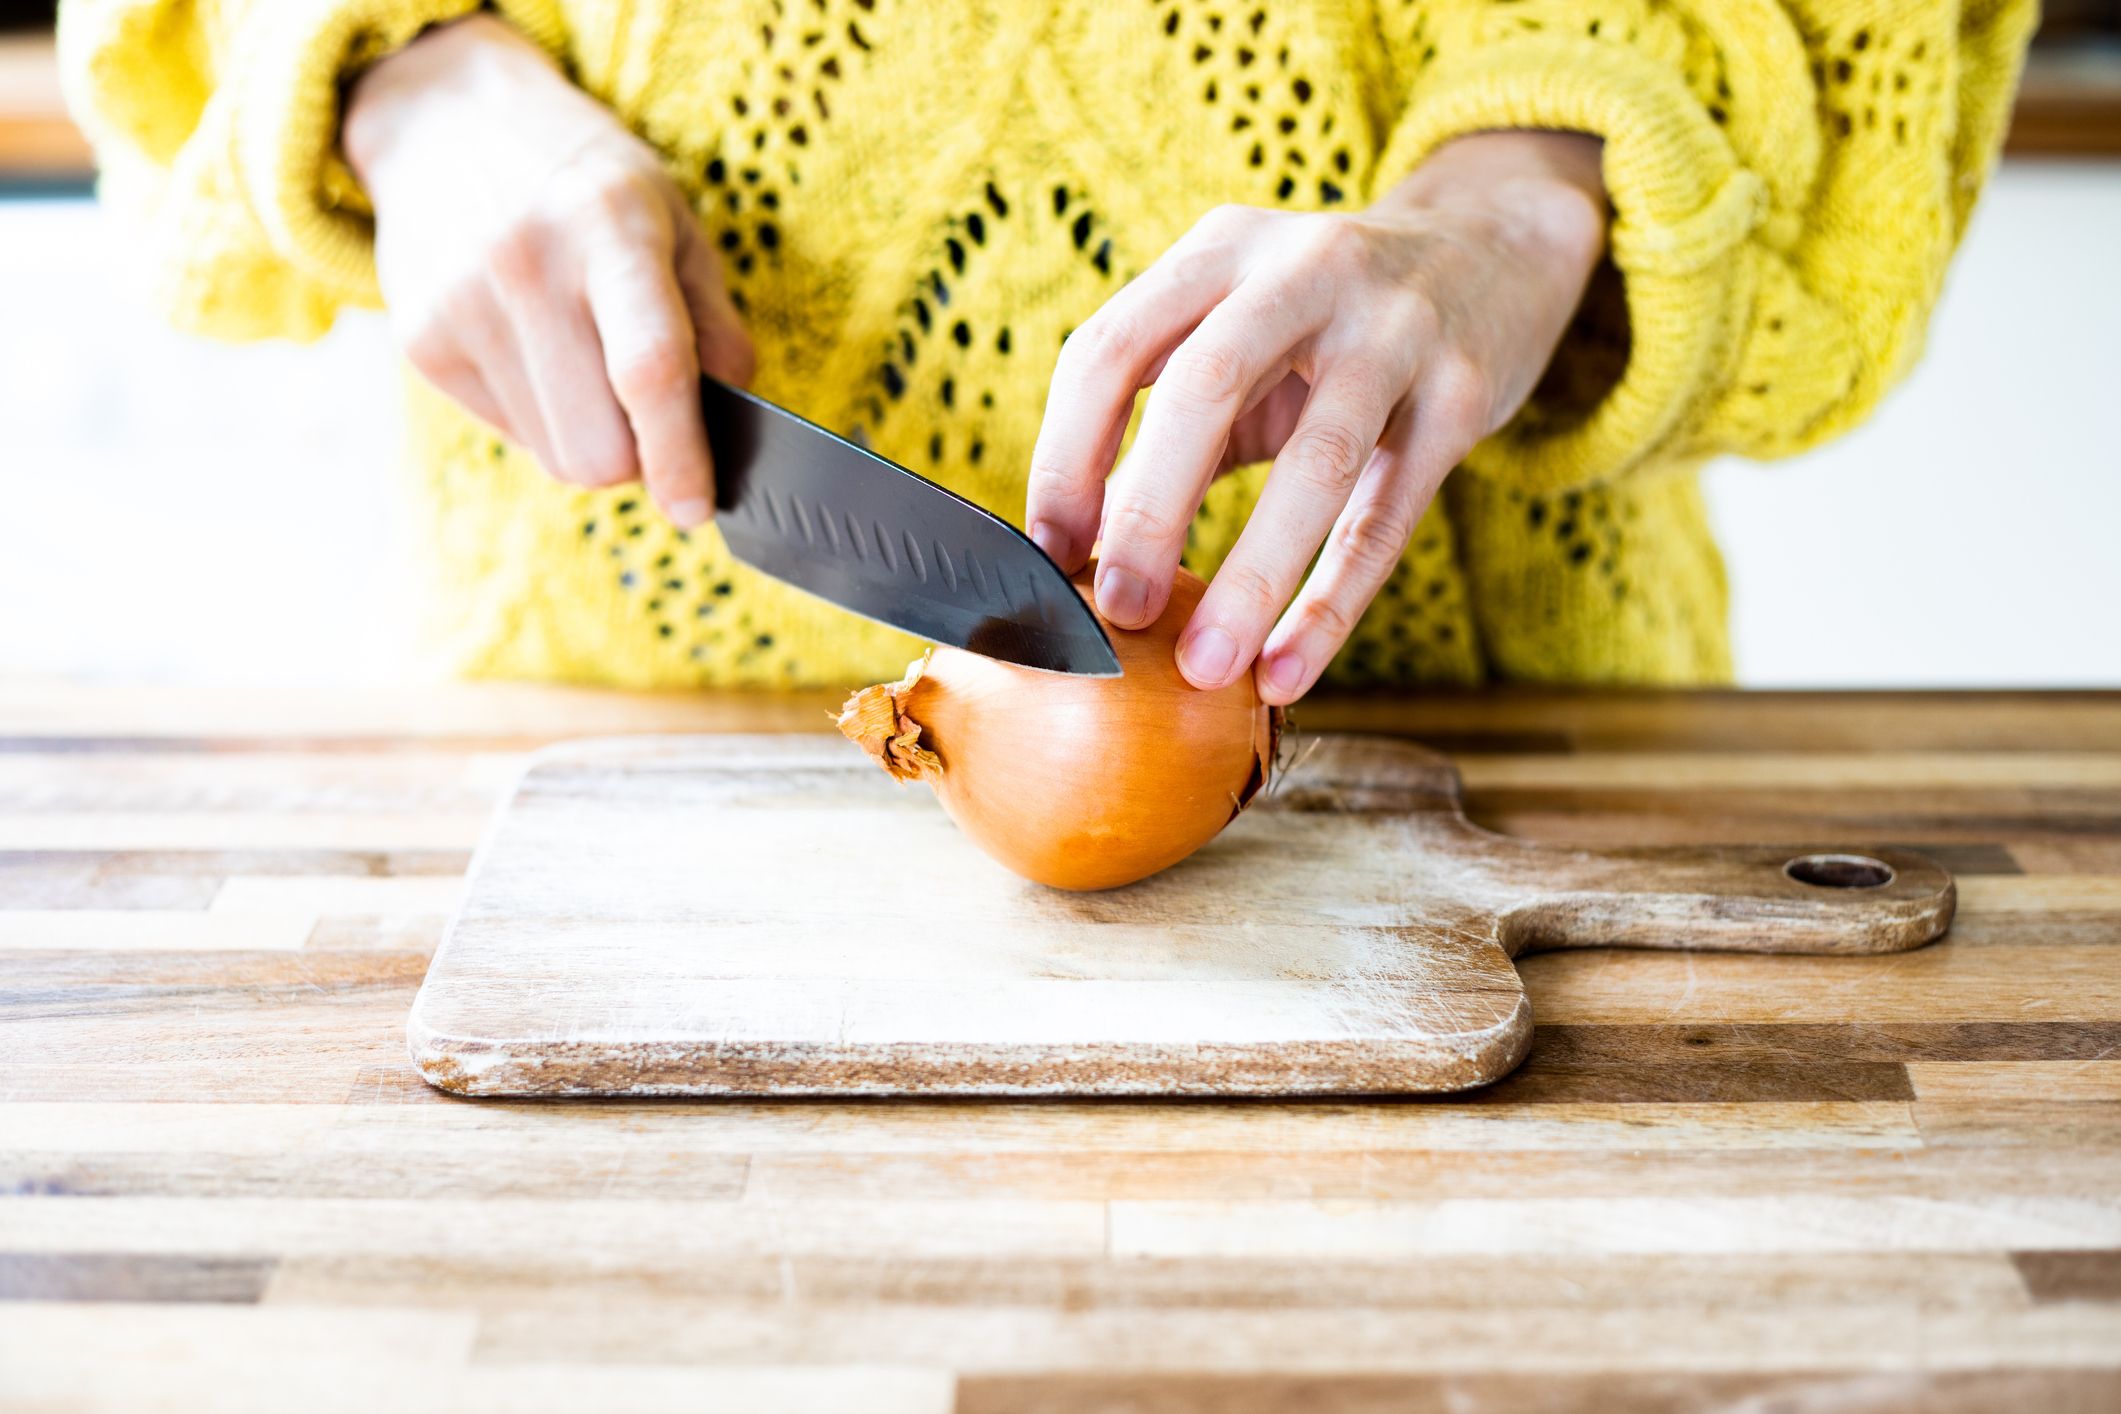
{"x":539,"y":265}
{"x":1366,"y":353}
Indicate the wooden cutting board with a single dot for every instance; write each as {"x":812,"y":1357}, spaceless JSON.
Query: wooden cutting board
{"x":731,"y":915}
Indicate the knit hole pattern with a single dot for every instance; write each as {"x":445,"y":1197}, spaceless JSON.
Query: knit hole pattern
{"x":1278,"y":119}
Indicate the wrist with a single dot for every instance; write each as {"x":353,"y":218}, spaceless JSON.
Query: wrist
{"x":1545,"y":188}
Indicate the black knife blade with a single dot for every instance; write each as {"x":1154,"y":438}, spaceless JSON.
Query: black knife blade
{"x":835,"y":520}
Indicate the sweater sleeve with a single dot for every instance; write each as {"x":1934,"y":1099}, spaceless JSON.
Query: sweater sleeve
{"x":1788,"y":183}
{"x":216,"y":125}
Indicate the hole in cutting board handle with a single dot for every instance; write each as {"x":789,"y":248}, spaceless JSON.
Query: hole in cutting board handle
{"x":1839,"y":871}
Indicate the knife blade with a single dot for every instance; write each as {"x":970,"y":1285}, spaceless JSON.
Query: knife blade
{"x":835,"y":520}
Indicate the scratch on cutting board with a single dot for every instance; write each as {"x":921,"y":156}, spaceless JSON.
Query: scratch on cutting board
{"x":1683,"y":1003}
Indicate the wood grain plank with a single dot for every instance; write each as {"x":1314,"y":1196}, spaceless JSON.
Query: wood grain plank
{"x":2071,"y":1276}
{"x":1623,"y":719}
{"x":332,"y":1171}
{"x":1785,"y":771}
{"x":41,"y":1340}
{"x":1795,"y":814}
{"x":2088,"y":855}
{"x":2024,"y":1127}
{"x":1850,"y":1392}
{"x":1723,"y":820}
{"x":704,"y":1228}
{"x":649,"y":1170}
{"x":222,"y":864}
{"x":238,"y":1369}
{"x":230,"y":1025}
{"x":1810,"y":1223}
{"x":124,"y":1276}
{"x":261,"y":829}
{"x":2083,"y":1169}
{"x":1830,"y":1043}
{"x":1520,"y":1339}
{"x":398,"y":932}
{"x":332,"y":1067}
{"x":557,"y":1282}
{"x":2003,"y":983}
{"x":951,"y":1127}
{"x":263,"y":779}
{"x":1730,"y":1080}
{"x":2093,"y":1079}
{"x":38,"y":880}
{"x":97,"y":931}
{"x":178,"y":880}
{"x":118,"y":985}
{"x":2098,"y":894}
{"x":325,"y":894}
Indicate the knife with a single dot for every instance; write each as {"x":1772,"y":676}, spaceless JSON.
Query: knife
{"x":837,"y":521}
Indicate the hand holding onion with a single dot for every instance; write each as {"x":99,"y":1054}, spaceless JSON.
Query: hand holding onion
{"x":1076,"y":782}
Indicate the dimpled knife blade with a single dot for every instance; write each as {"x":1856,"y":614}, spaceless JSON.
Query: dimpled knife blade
{"x":820,"y":513}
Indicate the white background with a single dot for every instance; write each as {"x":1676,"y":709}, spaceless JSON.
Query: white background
{"x":176,"y":509}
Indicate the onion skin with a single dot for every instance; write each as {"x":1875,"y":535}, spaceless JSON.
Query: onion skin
{"x":1080,"y":783}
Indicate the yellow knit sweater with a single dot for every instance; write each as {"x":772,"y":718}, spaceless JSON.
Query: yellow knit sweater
{"x":917,"y":199}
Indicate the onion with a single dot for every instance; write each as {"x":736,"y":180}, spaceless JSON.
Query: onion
{"x":1076,"y":782}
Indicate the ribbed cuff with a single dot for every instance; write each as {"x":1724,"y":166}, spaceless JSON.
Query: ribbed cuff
{"x":289,"y":81}
{"x":1682,"y":204}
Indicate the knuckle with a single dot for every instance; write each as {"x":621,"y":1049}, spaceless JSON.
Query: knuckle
{"x":1227,"y":219}
{"x":626,"y":205}
{"x":1194,"y":262}
{"x":1328,"y":456}
{"x":1416,"y":319}
{"x":1106,"y":337}
{"x":1210,"y":375}
{"x":1049,"y":478}
{"x":1372,"y":381}
{"x":614,"y":194}
{"x":431,"y":349}
{"x":1255,"y":595}
{"x":657,"y":369}
{"x":1132,"y":522}
{"x":1375,"y":536}
{"x":1327,"y":618}
{"x":592,"y":181}
{"x":517,"y":256}
{"x":1332,"y":241}
{"x":605,"y":466}
{"x":1461,"y":394}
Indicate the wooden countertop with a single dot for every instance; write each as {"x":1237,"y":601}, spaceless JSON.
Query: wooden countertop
{"x":1730,"y":1180}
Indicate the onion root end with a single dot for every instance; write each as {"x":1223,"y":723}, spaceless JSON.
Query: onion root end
{"x":876,"y":720}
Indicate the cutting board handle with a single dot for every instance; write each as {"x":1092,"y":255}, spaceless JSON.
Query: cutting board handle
{"x":1730,"y":898}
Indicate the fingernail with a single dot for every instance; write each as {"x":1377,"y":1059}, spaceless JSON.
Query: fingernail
{"x":1285,"y":674}
{"x":1053,"y":541}
{"x":1121,"y":596}
{"x":1207,"y":656}
{"x":689,"y":515}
